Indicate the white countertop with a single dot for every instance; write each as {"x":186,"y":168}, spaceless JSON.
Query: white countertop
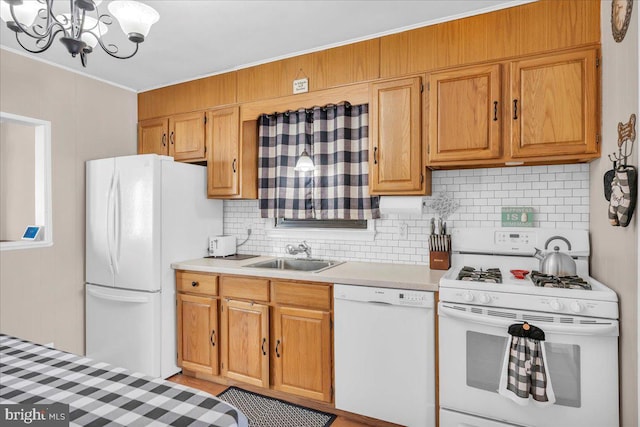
{"x":398,"y":276}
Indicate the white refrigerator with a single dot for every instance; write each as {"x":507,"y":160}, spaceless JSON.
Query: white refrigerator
{"x":143,"y":213}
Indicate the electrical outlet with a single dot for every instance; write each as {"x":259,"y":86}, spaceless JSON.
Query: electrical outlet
{"x":403,"y":230}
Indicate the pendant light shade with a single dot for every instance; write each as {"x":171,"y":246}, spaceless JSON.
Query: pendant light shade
{"x":135,"y":18}
{"x":304,"y":163}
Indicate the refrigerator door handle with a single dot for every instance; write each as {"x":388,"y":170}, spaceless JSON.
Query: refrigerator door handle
{"x":134,"y":300}
{"x":117,"y":222}
{"x":110,"y":222}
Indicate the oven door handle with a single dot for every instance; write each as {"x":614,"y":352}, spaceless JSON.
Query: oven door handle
{"x":607,"y":329}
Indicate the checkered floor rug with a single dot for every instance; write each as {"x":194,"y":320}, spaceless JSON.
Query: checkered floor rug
{"x":265,"y":411}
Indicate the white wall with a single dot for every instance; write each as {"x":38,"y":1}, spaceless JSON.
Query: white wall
{"x":42,"y":290}
{"x":615,"y":249}
{"x":559,"y":195}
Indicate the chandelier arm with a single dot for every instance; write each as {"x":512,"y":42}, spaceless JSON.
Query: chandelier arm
{"x":114,"y":49}
{"x":45,"y":47}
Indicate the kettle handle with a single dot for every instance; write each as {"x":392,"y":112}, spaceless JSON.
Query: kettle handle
{"x":546,"y":245}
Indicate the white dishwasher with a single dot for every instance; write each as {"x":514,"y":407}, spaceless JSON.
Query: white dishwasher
{"x":384,"y":354}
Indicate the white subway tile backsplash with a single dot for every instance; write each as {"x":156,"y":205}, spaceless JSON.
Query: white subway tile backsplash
{"x":559,"y":195}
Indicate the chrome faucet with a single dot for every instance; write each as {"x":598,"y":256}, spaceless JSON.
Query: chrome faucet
{"x":302,"y":247}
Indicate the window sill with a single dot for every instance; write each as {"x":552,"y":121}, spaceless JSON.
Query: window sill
{"x":320,"y":233}
{"x":16,"y":245}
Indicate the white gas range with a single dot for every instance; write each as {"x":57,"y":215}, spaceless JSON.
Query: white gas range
{"x":480,"y":298}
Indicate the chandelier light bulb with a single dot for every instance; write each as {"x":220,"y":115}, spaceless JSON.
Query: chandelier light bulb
{"x":304,"y":163}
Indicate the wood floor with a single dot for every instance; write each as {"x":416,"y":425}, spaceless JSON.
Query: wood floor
{"x":344,"y":419}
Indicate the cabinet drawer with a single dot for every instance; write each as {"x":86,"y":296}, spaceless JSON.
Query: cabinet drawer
{"x":200,"y":283}
{"x":302,"y":294}
{"x":244,"y":288}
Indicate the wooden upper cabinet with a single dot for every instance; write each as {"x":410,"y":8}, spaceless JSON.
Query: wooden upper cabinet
{"x":302,"y":352}
{"x":223,"y":161}
{"x":187,"y":136}
{"x":554,"y":106}
{"x":245,"y":342}
{"x":198,"y":334}
{"x":153,"y":136}
{"x":395,"y":145}
{"x":465,"y":117}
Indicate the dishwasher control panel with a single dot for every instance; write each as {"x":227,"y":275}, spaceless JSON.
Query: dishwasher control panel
{"x":391,"y":296}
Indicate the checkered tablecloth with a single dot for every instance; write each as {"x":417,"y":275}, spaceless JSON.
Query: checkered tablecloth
{"x":101,"y":394}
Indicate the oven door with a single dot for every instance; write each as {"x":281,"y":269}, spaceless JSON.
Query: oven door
{"x":582,"y":364}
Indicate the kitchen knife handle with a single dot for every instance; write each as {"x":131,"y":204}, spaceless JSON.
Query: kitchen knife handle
{"x":515,"y":109}
{"x":211,"y":337}
{"x":495,"y":111}
{"x":277,"y":345}
{"x":264,"y":341}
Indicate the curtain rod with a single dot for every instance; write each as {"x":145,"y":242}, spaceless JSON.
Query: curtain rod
{"x":347,"y":104}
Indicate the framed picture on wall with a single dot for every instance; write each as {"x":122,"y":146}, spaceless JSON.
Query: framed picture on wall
{"x":620,"y":17}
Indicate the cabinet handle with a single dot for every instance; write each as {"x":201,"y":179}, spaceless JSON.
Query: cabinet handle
{"x":495,"y":111}
{"x":211,"y":337}
{"x":375,"y":155}
{"x":515,"y":109}
{"x":164,"y":139}
{"x":277,"y":345}
{"x":233,"y":165}
{"x":264,"y":341}
{"x":194,"y":284}
{"x":171,"y":138}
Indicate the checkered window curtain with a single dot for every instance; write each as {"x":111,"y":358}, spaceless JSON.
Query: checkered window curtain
{"x":336,"y":138}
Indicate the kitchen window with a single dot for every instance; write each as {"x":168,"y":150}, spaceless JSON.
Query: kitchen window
{"x":25,"y":194}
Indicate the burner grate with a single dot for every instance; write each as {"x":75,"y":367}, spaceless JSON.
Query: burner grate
{"x":490,"y":275}
{"x":566,"y":282}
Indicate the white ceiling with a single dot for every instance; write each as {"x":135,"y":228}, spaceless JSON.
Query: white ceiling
{"x":196,"y":38}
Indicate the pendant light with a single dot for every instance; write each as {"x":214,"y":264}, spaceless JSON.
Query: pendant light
{"x":304,"y":163}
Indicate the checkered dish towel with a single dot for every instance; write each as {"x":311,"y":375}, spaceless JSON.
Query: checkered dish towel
{"x":524,"y":376}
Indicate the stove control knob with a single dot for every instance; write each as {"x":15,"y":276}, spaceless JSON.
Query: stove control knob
{"x":468,"y":296}
{"x":485,"y":298}
{"x":576,"y":307}
{"x":555,"y":305}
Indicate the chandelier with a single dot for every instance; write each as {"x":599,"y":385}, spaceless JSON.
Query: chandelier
{"x":80,"y":28}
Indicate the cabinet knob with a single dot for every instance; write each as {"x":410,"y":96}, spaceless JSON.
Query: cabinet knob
{"x":495,"y":111}
{"x":515,"y":109}
{"x":233,"y":165}
{"x":277,"y":345}
{"x":264,"y":341}
{"x":194,"y":284}
{"x":164,"y":139}
{"x":375,"y":155}
{"x":171,"y":138}
{"x":212,"y":337}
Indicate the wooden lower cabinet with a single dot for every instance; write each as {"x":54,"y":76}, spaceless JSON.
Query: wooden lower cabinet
{"x":245,"y":342}
{"x":302,"y":352}
{"x":198,"y":333}
{"x":267,"y":333}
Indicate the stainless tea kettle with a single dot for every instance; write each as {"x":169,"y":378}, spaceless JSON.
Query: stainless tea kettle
{"x":556,"y":263}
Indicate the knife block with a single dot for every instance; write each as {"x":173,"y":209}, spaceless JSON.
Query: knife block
{"x":439,"y":260}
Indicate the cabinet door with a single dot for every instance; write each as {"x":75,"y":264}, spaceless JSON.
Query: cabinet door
{"x":198,"y":333}
{"x":553,"y":106}
{"x":152,"y":136}
{"x":245,"y":342}
{"x":186,"y":136}
{"x":464,"y":115}
{"x":302,"y":352}
{"x":395,"y":151}
{"x":223,"y":162}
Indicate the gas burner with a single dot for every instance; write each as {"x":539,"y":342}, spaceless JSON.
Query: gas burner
{"x":566,"y":282}
{"x":490,"y":275}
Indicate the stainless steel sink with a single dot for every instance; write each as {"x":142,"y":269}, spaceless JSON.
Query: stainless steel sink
{"x":296,"y":264}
